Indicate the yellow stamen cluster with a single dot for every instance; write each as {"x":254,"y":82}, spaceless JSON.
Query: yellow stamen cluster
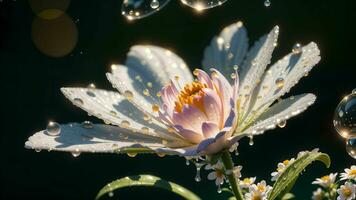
{"x":247,"y":181}
{"x":261,"y":187}
{"x":352,"y":172}
{"x":256,"y":197}
{"x":325,"y":178}
{"x":186,"y":96}
{"x":347,"y":192}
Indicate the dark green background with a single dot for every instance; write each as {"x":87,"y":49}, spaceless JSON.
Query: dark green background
{"x":30,"y":96}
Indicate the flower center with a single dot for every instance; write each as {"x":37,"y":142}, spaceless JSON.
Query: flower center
{"x":189,"y":96}
{"x":352,"y":172}
{"x":256,"y":197}
{"x":246,"y":181}
{"x":285,"y":162}
{"x":346,"y":192}
{"x":261,"y":187}
{"x":325,"y":178}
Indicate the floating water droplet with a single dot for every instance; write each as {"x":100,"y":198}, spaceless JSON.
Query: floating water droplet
{"x":251,"y":140}
{"x":87,"y":124}
{"x":351,"y":147}
{"x":154,"y":4}
{"x":282,"y":123}
{"x":297,"y":48}
{"x":136,"y":9}
{"x":345,"y":117}
{"x":78,"y":101}
{"x":131,"y":154}
{"x":53,"y":128}
{"x":280,"y":83}
{"x":200,"y":5}
{"x":128,"y":94}
{"x":219,"y":190}
{"x":267,"y":3}
{"x":111,"y":194}
{"x":76,"y":153}
{"x":187,"y":162}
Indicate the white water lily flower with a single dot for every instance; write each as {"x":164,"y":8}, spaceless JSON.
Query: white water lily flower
{"x":258,"y":192}
{"x":218,"y":173}
{"x":280,"y":168}
{"x":247,"y":182}
{"x":349,"y":173}
{"x":347,"y":191}
{"x":326,"y":181}
{"x":318,"y":194}
{"x":161,"y":108}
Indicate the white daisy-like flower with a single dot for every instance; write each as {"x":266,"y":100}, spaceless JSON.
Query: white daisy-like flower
{"x":258,"y":192}
{"x":237,"y":171}
{"x":218,"y":173}
{"x":247,"y":182}
{"x":318,"y":194}
{"x":280,"y":168}
{"x":347,"y":191}
{"x":349,"y":173}
{"x":160,"y":108}
{"x":137,"y":9}
{"x":326,"y":181}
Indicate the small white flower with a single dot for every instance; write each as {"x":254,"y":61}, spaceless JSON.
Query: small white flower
{"x":326,"y":181}
{"x":318,"y":194}
{"x":247,"y":182}
{"x":218,"y":173}
{"x":258,"y":192}
{"x":237,"y":171}
{"x":349,"y":173}
{"x":347,"y":191}
{"x":280,"y":168}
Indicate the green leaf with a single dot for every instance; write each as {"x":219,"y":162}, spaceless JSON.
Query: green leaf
{"x":147,"y":180}
{"x":290,"y":174}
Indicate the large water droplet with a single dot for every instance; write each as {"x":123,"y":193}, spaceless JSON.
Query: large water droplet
{"x":87,"y":124}
{"x":53,"y":128}
{"x":297,"y":48}
{"x":200,"y":5}
{"x":136,"y":9}
{"x":267,"y":3}
{"x":280,"y":83}
{"x":282,"y":123}
{"x":76,"y":153}
{"x":345,"y":117}
{"x":125,"y":123}
{"x":128,"y":94}
{"x":351,"y":147}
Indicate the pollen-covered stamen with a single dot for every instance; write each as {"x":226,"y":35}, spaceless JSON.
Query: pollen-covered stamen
{"x":188,"y":96}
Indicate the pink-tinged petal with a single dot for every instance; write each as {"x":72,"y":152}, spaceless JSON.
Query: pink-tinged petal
{"x":189,"y":135}
{"x":209,"y":129}
{"x":204,"y":78}
{"x":213,"y":145}
{"x":224,"y":90}
{"x":213,"y":107}
{"x":235,"y":87}
{"x":169,"y":94}
{"x":190,"y":118}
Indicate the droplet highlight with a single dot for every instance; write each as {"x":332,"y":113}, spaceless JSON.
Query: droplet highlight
{"x":53,"y":128}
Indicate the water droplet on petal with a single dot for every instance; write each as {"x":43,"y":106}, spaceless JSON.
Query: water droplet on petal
{"x":187,"y":162}
{"x":91,"y":86}
{"x":251,"y":140}
{"x":146,"y":92}
{"x":161,"y":154}
{"x":351,"y":147}
{"x":125,"y":123}
{"x":131,"y":154}
{"x":280,"y":83}
{"x":219,"y":190}
{"x":200,"y":5}
{"x":37,"y":150}
{"x":155,"y":108}
{"x":136,"y":9}
{"x":78,"y":101}
{"x":267,"y":3}
{"x":53,"y":128}
{"x":128,"y":94}
{"x":297,"y":48}
{"x":345,"y":117}
{"x":197,"y":175}
{"x":75,"y":153}
{"x":87,"y":124}
{"x":282,"y":123}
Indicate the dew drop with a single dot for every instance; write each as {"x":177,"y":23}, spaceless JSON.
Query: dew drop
{"x":145,"y":130}
{"x":91,"y":86}
{"x":76,"y":153}
{"x":130,"y":154}
{"x":251,"y":140}
{"x":78,"y":101}
{"x":53,"y":128}
{"x":280,"y":83}
{"x":297,"y":48}
{"x":233,"y":75}
{"x":354,"y":91}
{"x":219,"y":190}
{"x":282,"y":123}
{"x":161,"y":155}
{"x":125,"y":123}
{"x":110,"y":194}
{"x":187,"y":162}
{"x":155,"y":108}
{"x":154,"y":4}
{"x":146,"y":92}
{"x":197,"y":175}
{"x":87,"y":124}
{"x":267,"y":3}
{"x":200,"y":5}
{"x":37,"y":150}
{"x":351,"y":147}
{"x":128,"y":94}
{"x":345,"y":117}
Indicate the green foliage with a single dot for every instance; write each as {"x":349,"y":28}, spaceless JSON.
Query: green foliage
{"x":289,"y":176}
{"x":149,"y":181}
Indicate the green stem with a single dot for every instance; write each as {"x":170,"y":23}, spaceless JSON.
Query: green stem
{"x":227,"y":161}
